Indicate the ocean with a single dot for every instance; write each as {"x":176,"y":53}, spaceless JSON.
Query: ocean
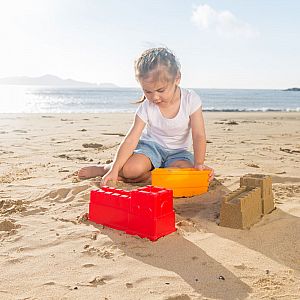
{"x":33,"y":99}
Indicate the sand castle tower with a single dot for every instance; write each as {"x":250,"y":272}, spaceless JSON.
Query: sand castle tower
{"x":264,"y":182}
{"x":245,"y":206}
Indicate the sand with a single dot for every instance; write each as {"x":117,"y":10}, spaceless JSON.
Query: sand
{"x":48,"y":250}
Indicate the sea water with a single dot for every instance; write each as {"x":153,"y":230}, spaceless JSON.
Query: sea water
{"x":33,"y":99}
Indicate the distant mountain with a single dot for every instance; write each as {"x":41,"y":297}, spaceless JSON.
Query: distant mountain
{"x":292,"y":90}
{"x":51,"y":80}
{"x":107,"y":85}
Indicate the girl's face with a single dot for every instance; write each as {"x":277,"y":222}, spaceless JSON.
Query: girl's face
{"x":159,"y":89}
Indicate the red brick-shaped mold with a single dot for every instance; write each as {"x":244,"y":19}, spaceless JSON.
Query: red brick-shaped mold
{"x":109,"y":209}
{"x":151,"y":201}
{"x":151,"y":228}
{"x":147,"y":212}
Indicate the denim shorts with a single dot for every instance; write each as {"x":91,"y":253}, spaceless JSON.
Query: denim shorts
{"x":161,"y":157}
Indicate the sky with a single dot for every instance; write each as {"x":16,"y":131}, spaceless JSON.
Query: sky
{"x":220,"y":44}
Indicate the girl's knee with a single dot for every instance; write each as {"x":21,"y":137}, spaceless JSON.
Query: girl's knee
{"x":132,"y":170}
{"x":181,"y":164}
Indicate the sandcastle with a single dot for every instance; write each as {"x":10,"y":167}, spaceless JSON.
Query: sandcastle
{"x":245,"y":206}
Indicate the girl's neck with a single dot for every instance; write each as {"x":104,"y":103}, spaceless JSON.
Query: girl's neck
{"x":170,"y":110}
{"x":175,"y":98}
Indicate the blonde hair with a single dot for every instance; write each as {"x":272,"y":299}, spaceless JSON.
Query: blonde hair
{"x":151,"y":59}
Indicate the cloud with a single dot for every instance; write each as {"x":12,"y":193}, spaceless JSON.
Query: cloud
{"x":224,"y":22}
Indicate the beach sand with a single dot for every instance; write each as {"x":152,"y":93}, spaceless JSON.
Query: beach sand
{"x":48,"y":250}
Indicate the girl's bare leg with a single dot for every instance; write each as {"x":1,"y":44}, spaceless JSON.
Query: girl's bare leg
{"x":143,"y":178}
{"x":136,"y":169}
{"x":93,"y":171}
{"x":181,"y":164}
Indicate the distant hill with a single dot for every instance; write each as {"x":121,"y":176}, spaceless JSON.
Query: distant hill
{"x":107,"y":85}
{"x":51,"y":80}
{"x":292,"y":90}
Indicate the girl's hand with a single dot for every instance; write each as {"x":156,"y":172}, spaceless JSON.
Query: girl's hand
{"x":110,"y":175}
{"x":204,"y":167}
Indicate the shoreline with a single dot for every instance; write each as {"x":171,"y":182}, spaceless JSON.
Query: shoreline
{"x":288,"y":111}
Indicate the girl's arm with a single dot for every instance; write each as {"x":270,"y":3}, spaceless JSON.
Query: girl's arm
{"x":199,"y":137}
{"x":125,"y":149}
{"x":199,"y":142}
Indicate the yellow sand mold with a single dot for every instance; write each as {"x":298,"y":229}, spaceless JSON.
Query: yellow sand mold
{"x":184,"y":182}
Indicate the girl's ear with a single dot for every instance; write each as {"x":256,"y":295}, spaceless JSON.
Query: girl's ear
{"x":178,"y":78}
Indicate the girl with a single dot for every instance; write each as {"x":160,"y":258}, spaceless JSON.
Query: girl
{"x":164,"y":122}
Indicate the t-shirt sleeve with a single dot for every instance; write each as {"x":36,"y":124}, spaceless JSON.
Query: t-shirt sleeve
{"x":195,"y":102}
{"x":142,"y":111}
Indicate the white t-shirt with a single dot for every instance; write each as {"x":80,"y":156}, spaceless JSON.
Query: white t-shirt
{"x":172,"y":133}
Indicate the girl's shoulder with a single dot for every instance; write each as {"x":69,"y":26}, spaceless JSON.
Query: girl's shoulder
{"x":145,"y":109}
{"x":190,"y":96}
{"x":145,"y":105}
{"x":189,"y":93}
{"x":191,"y":100}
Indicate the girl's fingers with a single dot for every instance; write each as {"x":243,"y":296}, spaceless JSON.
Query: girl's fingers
{"x":102,"y":182}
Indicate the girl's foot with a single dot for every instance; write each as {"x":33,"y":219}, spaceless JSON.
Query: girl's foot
{"x":90,"y":172}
